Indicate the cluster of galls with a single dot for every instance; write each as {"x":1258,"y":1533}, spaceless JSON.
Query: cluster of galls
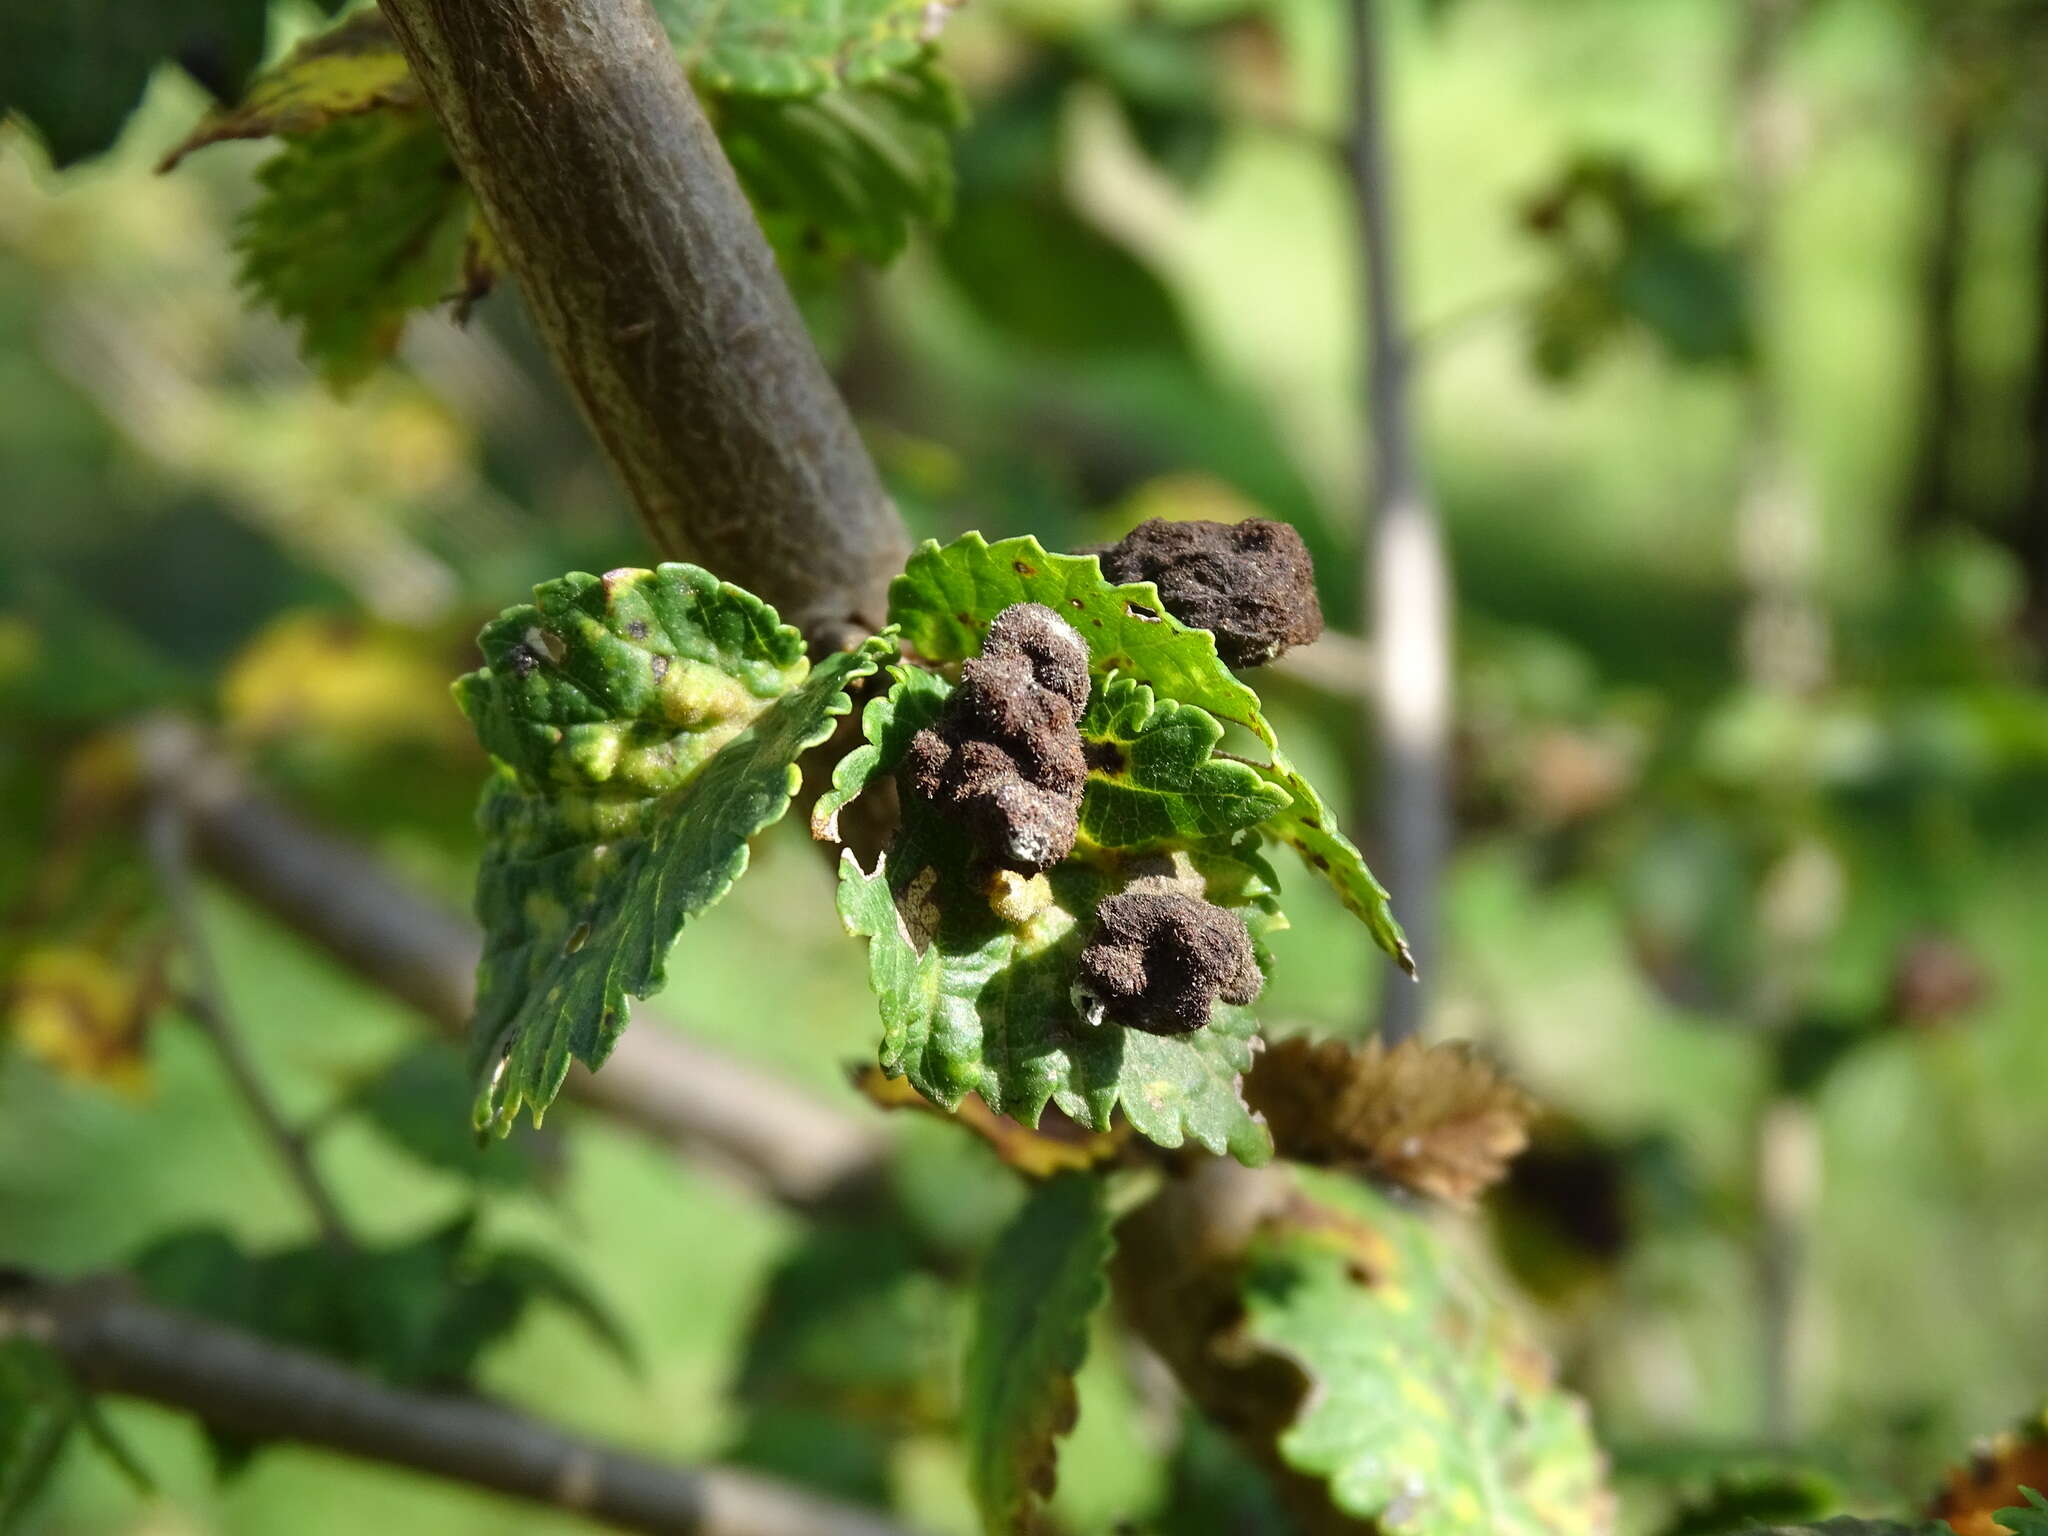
{"x":1005,"y":759}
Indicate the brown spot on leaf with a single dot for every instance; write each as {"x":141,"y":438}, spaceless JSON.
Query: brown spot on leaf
{"x":578,"y":936}
{"x":1022,"y":569}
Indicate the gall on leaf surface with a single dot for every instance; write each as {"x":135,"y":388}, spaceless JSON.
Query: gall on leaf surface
{"x":947,"y":595}
{"x":1040,"y":1289}
{"x":644,"y":726}
{"x":1426,"y":1411}
{"x":974,"y":976}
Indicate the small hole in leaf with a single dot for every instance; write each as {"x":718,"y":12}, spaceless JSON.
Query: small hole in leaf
{"x":577,"y":937}
{"x":1022,"y":569}
{"x":1138,"y":611}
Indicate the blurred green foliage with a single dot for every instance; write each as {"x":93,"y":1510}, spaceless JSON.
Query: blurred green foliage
{"x":1142,"y":303}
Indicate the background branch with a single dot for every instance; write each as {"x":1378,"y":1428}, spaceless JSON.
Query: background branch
{"x":756,"y":1126}
{"x":1406,"y":578}
{"x":206,"y":1001}
{"x":657,"y":296}
{"x":246,"y":1385}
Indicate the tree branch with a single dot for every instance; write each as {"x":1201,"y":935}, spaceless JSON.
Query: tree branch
{"x":658,"y":297}
{"x":249,"y":1386}
{"x":803,"y":1151}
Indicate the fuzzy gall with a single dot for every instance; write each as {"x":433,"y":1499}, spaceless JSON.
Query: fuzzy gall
{"x":1005,"y":756}
{"x":1161,"y":956}
{"x":1250,"y":584}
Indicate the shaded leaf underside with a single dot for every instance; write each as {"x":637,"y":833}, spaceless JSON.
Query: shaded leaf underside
{"x":1040,"y":1288}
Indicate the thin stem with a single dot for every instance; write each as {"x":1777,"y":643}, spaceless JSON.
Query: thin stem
{"x":206,"y":1002}
{"x":1405,"y":575}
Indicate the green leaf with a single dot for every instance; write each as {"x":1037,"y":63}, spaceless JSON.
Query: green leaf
{"x":946,"y":596}
{"x":353,"y":67}
{"x":76,"y":70}
{"x":972,"y":1002}
{"x":848,"y":173}
{"x":360,"y":223}
{"x":408,"y":1104}
{"x":38,"y":1410}
{"x":1154,"y":779}
{"x":419,"y":1313}
{"x":2031,"y":1521}
{"x":1041,"y":1286}
{"x":645,"y":724}
{"x":1424,"y":1410}
{"x":796,"y":47}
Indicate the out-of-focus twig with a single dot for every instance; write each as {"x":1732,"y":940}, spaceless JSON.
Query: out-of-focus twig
{"x":248,"y":1386}
{"x":781,"y":1139}
{"x":1406,"y":578}
{"x":206,"y":1000}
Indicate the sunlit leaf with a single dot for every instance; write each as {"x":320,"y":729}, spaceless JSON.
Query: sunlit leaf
{"x":946,"y":597}
{"x":1154,"y":779}
{"x":1040,"y":1288}
{"x":975,"y":979}
{"x":1426,"y":1410}
{"x":645,"y":724}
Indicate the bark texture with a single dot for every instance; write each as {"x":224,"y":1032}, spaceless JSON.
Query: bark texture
{"x":658,"y":297}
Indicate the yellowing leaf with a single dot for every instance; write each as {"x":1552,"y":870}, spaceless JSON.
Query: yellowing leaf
{"x":1055,"y":1145}
{"x":84,"y":1015}
{"x":354,"y":67}
{"x":338,"y":675}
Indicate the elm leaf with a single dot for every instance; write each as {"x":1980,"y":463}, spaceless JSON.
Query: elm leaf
{"x":645,"y":725}
{"x":1044,"y":1281}
{"x":1427,"y":1411}
{"x":947,"y":595}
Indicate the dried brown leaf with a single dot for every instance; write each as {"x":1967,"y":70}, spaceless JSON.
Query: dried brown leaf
{"x":1440,"y":1120}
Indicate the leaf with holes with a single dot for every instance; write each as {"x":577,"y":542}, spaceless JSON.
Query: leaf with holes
{"x":1043,"y":1282}
{"x":1426,"y":1410}
{"x":946,"y":596}
{"x":975,"y":974}
{"x":645,"y":725}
